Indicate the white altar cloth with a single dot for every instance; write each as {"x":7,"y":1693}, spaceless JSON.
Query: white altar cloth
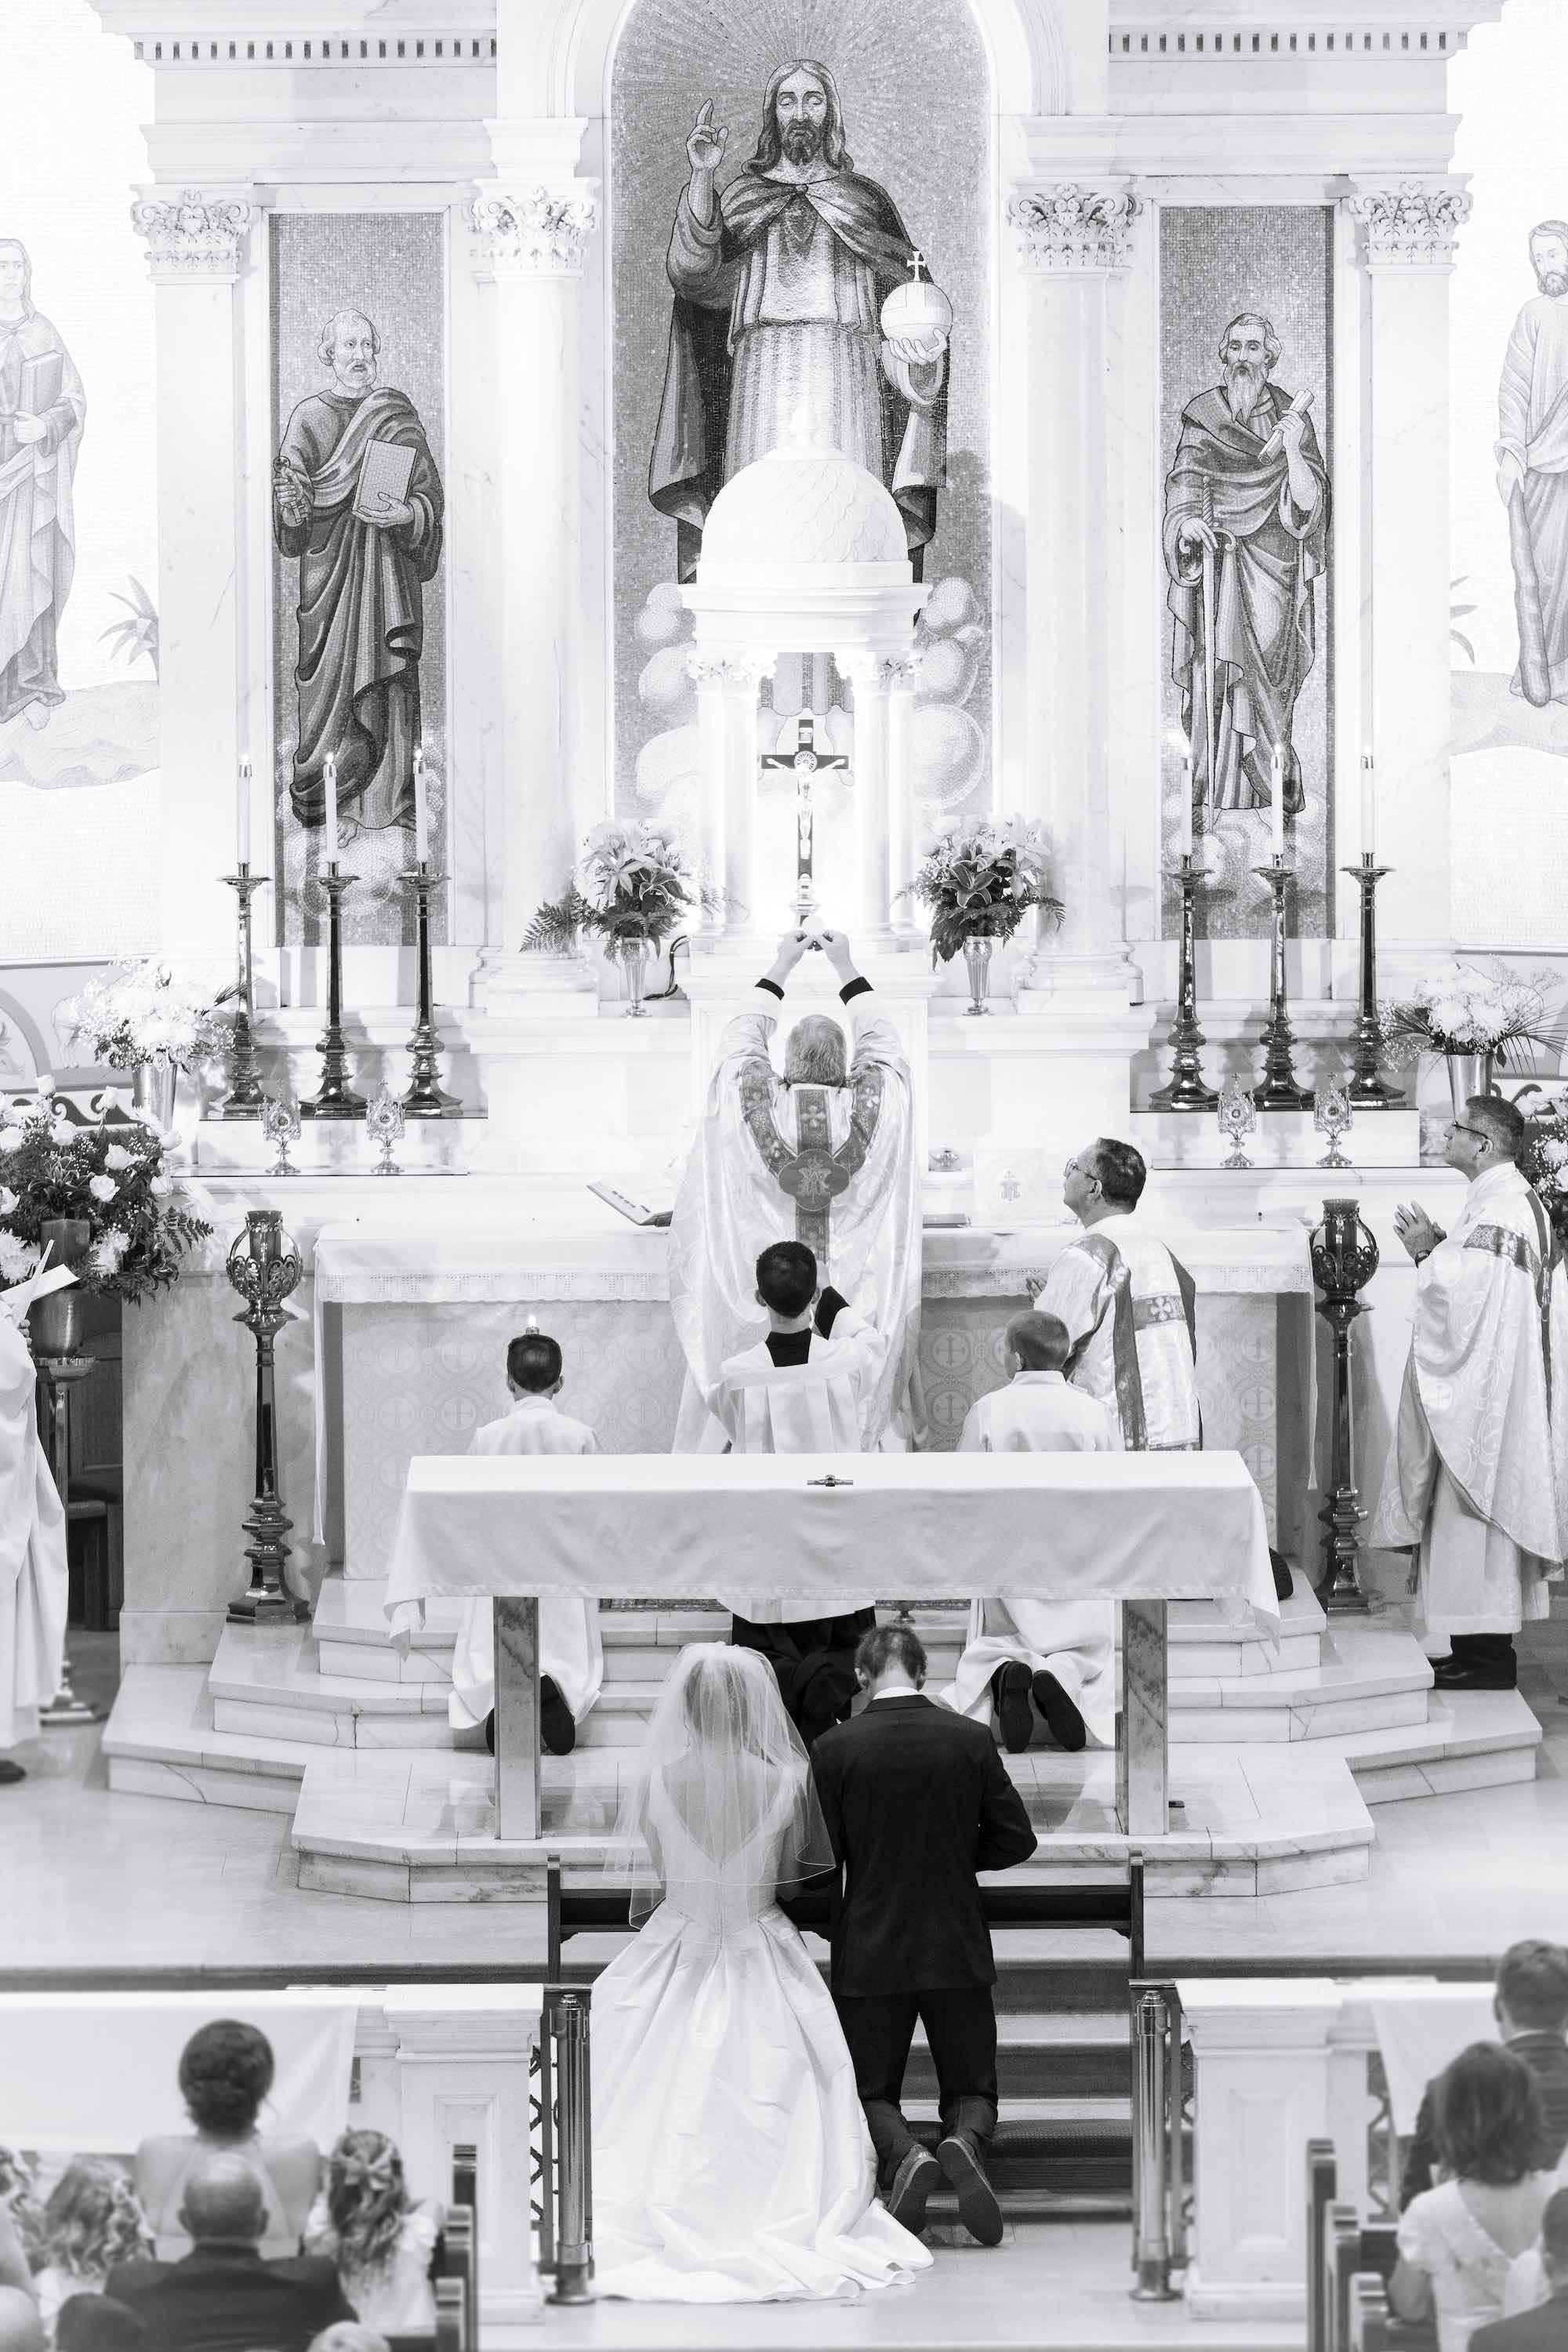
{"x":1135,"y":1527}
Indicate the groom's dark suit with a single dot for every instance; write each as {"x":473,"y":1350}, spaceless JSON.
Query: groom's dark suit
{"x":917,"y":1800}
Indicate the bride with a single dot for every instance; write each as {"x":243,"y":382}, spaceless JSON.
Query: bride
{"x":731,"y":2162}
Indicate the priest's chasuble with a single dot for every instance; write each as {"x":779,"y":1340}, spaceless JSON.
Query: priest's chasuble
{"x":1037,"y":1412}
{"x":32,"y":1550}
{"x":830,"y":1166}
{"x":1477,"y":1474}
{"x":1129,"y":1310}
{"x":568,"y":1648}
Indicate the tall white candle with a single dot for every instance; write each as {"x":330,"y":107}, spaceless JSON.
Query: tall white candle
{"x":1187,"y":801}
{"x":330,"y":843}
{"x":421,"y":811}
{"x":1277,"y":809}
{"x":1368,"y":806}
{"x":242,"y":816}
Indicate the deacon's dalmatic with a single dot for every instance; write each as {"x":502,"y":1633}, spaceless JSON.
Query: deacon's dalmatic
{"x":33,"y":1578}
{"x":1128,"y":1306}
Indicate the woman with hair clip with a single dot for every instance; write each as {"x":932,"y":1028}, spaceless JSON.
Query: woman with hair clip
{"x":382,"y":2242}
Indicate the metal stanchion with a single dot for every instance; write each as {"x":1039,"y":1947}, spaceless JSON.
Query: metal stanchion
{"x":568,"y":2025}
{"x":1175,"y":2131}
{"x":1151,"y":2245}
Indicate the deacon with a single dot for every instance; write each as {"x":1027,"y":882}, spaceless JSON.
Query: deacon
{"x":32,"y":1554}
{"x":571,"y":1658}
{"x":1477,"y":1475}
{"x":1061,"y":1655}
{"x":802,"y":1391}
{"x":822,"y":1156}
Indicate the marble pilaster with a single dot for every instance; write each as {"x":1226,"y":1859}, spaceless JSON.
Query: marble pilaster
{"x":517,"y":1716}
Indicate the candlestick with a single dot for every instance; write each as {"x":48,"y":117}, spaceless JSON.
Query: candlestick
{"x":264,"y":1266}
{"x":1186,"y":1089}
{"x":426,"y":1097}
{"x":1368,"y":806}
{"x":335,"y":1099}
{"x":1368,"y":1088}
{"x":421,"y":811}
{"x":1280,"y":1090}
{"x":244,"y":1097}
{"x":1277,"y":808}
{"x":1345,"y":1259}
{"x":242,"y":817}
{"x":330,"y":838}
{"x":1187,"y":832}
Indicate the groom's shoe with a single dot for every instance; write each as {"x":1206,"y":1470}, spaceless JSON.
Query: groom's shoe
{"x":1063,"y":1720}
{"x":1014,"y":1716}
{"x":915,"y":2179}
{"x":977,"y":2207}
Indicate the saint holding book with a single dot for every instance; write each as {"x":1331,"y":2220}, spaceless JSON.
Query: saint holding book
{"x":357,"y":498}
{"x":42,"y":410}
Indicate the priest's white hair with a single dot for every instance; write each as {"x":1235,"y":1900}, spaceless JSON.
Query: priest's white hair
{"x":816,"y":1054}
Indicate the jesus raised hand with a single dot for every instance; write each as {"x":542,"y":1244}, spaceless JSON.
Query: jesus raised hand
{"x":704,"y":153}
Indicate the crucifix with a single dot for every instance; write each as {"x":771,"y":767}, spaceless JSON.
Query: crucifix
{"x":806,"y":761}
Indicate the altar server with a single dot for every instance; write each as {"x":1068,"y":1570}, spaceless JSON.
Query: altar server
{"x":802,"y":1391}
{"x":32,"y":1555}
{"x":822,"y":1156}
{"x":570,"y":1659}
{"x":1128,"y":1305}
{"x":1477,"y":1480}
{"x":1061,"y":1655}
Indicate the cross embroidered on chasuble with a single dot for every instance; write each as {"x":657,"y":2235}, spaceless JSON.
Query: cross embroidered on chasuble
{"x":814,"y":1174}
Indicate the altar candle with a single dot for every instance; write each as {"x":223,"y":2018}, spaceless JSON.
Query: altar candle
{"x":1277,"y":810}
{"x":330,"y":843}
{"x":1187,"y":801}
{"x":242,"y":816}
{"x":421,"y":812}
{"x":1368,"y":806}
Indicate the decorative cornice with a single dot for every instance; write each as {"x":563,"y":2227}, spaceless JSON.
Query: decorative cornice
{"x":1068,"y":226}
{"x":197,"y":234}
{"x":726,"y":670}
{"x":1413,"y":225}
{"x":535,"y":232}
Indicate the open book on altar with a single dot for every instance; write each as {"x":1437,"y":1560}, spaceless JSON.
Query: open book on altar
{"x":385,"y":472}
{"x":655,"y":1211}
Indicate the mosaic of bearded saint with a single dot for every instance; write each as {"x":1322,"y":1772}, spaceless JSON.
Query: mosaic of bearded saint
{"x":1533,"y":468}
{"x":779,"y":279}
{"x":1245,"y":535}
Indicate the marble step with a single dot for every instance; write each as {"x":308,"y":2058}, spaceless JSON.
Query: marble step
{"x":1471,"y":1739}
{"x":161,"y":1741}
{"x":1368,"y":1680}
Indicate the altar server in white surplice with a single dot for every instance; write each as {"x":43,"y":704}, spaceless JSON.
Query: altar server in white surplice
{"x":1061,"y":1655}
{"x":823,"y":1156}
{"x":1128,"y":1305}
{"x":1477,"y":1475}
{"x":570,"y":1659}
{"x":32,"y":1555}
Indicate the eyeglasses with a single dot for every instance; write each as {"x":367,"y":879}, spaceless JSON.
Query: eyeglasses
{"x":1458,"y":1127}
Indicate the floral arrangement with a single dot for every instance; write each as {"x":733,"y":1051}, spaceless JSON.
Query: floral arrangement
{"x":980,"y":881}
{"x":141,"y":1013}
{"x":111,"y":1176}
{"x":632,"y":883}
{"x":1544,"y":1159}
{"x":1462,"y":1011}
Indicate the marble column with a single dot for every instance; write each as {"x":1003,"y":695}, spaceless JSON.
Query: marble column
{"x":872,"y":675}
{"x":530,"y":242}
{"x":1074,"y":245}
{"x":900,"y":794}
{"x":1408,"y":230}
{"x":707,"y":672}
{"x":198,"y":246}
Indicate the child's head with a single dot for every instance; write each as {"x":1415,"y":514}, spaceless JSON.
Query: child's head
{"x":786,"y":1278}
{"x":533,"y":1365}
{"x":1038,"y":1343}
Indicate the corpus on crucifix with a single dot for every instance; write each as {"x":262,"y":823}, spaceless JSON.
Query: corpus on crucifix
{"x":805,"y":762}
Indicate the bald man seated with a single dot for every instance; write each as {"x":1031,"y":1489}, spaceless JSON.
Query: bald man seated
{"x":223,"y":2298}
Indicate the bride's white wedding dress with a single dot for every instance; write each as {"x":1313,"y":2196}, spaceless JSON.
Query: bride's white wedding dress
{"x":731,"y":2162}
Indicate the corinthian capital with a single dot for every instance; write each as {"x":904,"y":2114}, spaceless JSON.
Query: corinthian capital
{"x":1412,"y":225}
{"x":536,"y":232}
{"x":1066,"y":226}
{"x":200,"y":233}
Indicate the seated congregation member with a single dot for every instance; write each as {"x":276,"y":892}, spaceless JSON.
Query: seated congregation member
{"x":1530,"y":2004}
{"x":21,"y":2328}
{"x":95,"y":2322}
{"x":917,"y":1800}
{"x":801,"y":1390}
{"x":1536,"y":2296}
{"x":223,"y":2296}
{"x":382,"y":2242}
{"x":731,"y":2162}
{"x":1458,"y":2241}
{"x":570,"y":1659}
{"x":226,"y":2074}
{"x":1059,"y":1655}
{"x":91,"y":2224}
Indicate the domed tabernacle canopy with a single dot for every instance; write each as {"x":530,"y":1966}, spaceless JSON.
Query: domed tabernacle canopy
{"x":803,"y":503}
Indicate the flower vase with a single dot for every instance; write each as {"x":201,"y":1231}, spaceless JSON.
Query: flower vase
{"x":1468,"y":1074}
{"x":977,"y":957}
{"x":152,"y":1085}
{"x":633,"y":956}
{"x":56,"y":1323}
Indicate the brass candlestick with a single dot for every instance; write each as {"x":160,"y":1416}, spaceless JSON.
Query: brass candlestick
{"x":1186,"y":1088}
{"x":1368,"y":1088}
{"x":426,"y":1097}
{"x":264,"y":1266}
{"x":244,"y":1097}
{"x":335,"y":1099}
{"x":1280,"y":1090}
{"x":1345,"y":1259}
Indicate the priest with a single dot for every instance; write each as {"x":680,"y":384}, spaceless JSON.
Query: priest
{"x":823,"y":1155}
{"x":1477,"y":1480}
{"x":33,"y":1579}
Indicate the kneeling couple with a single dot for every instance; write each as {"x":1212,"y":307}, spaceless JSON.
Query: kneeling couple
{"x":743,"y":2120}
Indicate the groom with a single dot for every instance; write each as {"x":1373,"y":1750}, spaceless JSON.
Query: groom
{"x":917,"y":1800}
